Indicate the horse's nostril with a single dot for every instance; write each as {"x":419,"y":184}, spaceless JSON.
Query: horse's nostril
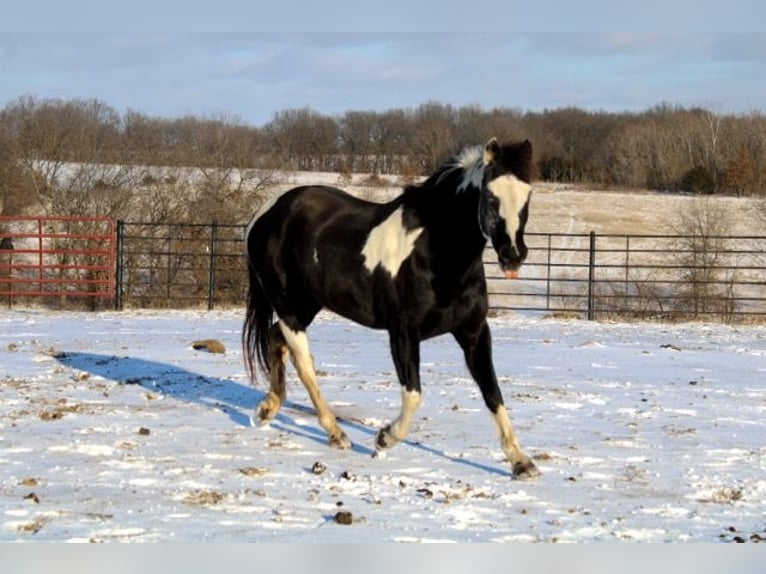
{"x":511,"y":255}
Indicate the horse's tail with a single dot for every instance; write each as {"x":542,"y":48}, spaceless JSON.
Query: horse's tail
{"x":258,"y":320}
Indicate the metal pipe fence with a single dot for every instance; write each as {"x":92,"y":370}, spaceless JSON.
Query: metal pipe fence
{"x":594,"y":276}
{"x":663,"y":277}
{"x":57,"y":259}
{"x":180,"y":265}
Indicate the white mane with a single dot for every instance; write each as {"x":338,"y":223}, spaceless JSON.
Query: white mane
{"x":471,"y":161}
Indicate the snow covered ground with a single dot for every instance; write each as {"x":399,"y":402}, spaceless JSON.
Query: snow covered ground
{"x":113,"y":428}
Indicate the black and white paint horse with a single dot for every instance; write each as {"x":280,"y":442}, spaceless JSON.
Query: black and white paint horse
{"x":412,"y":266}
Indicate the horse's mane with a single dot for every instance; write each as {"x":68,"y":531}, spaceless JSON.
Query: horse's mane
{"x":467,"y":166}
{"x":465,"y":169}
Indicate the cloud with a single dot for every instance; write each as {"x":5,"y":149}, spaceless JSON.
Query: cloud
{"x":253,"y":75}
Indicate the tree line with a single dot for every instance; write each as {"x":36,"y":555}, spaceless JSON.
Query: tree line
{"x":667,"y":147}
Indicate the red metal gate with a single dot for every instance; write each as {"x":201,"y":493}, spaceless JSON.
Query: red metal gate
{"x":56,"y":257}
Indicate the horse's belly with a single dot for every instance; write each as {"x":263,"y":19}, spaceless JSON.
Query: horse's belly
{"x":347,"y":295}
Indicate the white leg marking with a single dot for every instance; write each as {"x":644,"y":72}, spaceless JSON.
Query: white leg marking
{"x":400,"y":428}
{"x":298,"y":343}
{"x":296,"y":340}
{"x":521,"y":465}
{"x":508,"y":441}
{"x":390,"y":244}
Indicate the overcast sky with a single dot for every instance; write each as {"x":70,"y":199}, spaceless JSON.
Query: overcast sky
{"x":129,"y":64}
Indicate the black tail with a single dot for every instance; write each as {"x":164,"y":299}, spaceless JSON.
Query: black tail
{"x":258,"y":320}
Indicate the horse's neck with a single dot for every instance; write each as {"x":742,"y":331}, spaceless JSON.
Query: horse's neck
{"x":451,"y":219}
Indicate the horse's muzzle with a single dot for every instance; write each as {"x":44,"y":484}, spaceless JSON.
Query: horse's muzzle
{"x":510,"y":260}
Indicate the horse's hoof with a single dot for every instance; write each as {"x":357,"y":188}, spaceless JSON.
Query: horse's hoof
{"x":263,"y":414}
{"x":340,"y":442}
{"x":525,"y":470}
{"x":385,"y":439}
{"x":267,"y":409}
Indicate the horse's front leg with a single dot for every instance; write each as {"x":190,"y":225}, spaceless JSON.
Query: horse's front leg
{"x":405,"y":349}
{"x":477,"y":347}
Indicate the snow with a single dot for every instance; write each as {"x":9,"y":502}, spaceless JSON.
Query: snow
{"x":113,"y":428}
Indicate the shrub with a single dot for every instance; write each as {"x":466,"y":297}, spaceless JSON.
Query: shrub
{"x":698,"y":179}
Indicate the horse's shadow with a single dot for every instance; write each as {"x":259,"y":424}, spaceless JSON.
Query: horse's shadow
{"x":229,"y":397}
{"x":235,"y":400}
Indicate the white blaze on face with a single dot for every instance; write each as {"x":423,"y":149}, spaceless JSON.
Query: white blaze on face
{"x":390,"y":244}
{"x":512,"y":194}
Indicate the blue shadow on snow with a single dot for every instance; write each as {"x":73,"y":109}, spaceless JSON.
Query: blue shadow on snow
{"x":235,"y":400}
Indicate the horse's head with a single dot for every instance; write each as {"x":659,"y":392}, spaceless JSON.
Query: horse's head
{"x":504,"y":201}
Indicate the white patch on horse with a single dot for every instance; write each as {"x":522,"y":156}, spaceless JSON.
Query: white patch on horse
{"x":297,"y":341}
{"x":316,"y":256}
{"x":513,"y":194}
{"x":390,"y":244}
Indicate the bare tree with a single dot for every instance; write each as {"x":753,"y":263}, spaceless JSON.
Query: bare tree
{"x":432,"y":135}
{"x":13,"y":196}
{"x":390,"y":134}
{"x":356,"y":140}
{"x":227,"y":189}
{"x":304,"y":139}
{"x":701,"y":256}
{"x":48,"y":135}
{"x":666,"y":147}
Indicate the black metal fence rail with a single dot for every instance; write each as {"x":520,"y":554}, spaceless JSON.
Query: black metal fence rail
{"x":588,"y":275}
{"x":179,"y":265}
{"x":646,"y":276}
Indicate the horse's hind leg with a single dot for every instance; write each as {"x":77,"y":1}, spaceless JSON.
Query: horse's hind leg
{"x":278,"y":352}
{"x":304,"y":364}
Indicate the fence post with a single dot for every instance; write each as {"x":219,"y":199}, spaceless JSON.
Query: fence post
{"x":591,"y":275}
{"x":40,"y":251}
{"x":627,"y":267}
{"x":548,"y":277}
{"x":211,"y":278}
{"x":119,"y":264}
{"x":6,"y":258}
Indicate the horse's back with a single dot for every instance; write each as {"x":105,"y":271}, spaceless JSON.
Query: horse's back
{"x":318,"y":196}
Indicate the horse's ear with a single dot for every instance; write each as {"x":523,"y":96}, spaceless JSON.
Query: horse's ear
{"x":525,"y":151}
{"x":527,"y":145}
{"x":490,"y":151}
